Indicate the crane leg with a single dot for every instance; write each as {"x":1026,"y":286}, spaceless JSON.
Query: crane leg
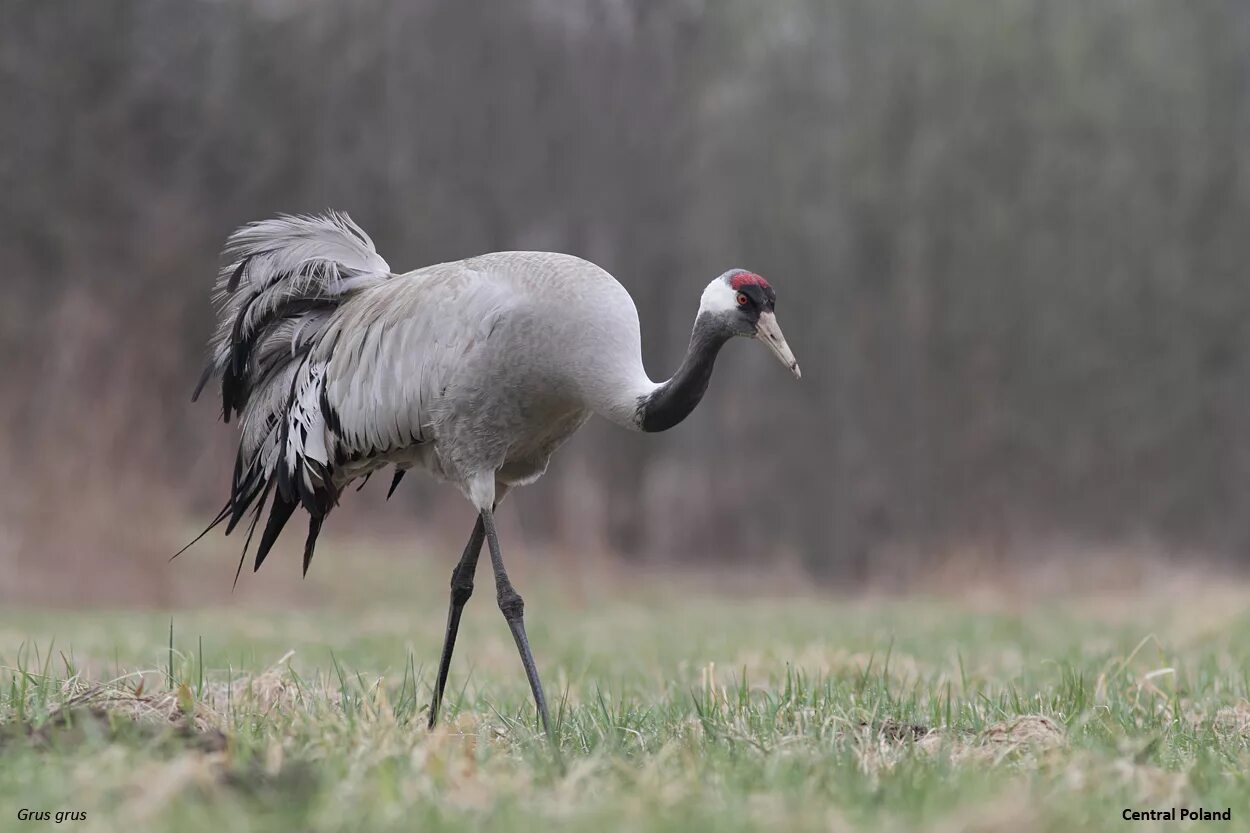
{"x":461,"y":590}
{"x":513,"y":608}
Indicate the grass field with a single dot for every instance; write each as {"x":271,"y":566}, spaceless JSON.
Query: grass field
{"x":678,"y":709}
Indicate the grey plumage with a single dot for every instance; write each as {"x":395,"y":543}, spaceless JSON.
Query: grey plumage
{"x":475,"y":371}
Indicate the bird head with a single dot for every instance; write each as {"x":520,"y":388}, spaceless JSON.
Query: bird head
{"x":741,"y":303}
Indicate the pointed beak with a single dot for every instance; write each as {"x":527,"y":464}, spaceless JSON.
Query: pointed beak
{"x":768,"y":331}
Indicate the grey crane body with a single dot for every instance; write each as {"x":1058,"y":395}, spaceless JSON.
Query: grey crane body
{"x":514,"y":352}
{"x":475,"y":371}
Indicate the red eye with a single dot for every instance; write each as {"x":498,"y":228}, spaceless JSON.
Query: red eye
{"x":742,"y":299}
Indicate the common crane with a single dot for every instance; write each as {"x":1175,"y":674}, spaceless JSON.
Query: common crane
{"x":475,"y":371}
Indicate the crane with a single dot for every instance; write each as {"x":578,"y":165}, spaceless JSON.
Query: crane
{"x":475,"y":371}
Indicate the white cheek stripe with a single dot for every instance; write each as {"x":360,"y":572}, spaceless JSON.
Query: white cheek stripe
{"x":718,"y":297}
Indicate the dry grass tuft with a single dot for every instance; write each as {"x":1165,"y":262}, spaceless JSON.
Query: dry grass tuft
{"x":1033,"y":731}
{"x":203,"y":721}
{"x":176,"y":708}
{"x":1233,"y":720}
{"x":274,"y":689}
{"x":1022,"y":738}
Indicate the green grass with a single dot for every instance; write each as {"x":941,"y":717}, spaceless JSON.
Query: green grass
{"x":677,"y":709}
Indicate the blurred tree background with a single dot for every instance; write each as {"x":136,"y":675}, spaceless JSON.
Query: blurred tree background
{"x":1010,"y":242}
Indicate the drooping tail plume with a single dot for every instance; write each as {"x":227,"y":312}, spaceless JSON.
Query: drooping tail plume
{"x":281,"y":284}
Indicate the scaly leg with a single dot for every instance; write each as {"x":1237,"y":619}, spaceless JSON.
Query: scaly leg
{"x":513,"y":608}
{"x":461,"y":590}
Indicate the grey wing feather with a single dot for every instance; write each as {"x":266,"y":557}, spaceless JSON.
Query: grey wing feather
{"x":392,"y":354}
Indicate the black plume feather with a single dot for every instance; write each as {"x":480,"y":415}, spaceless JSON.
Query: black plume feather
{"x":314,"y":529}
{"x":399,"y":475}
{"x":279,"y":514}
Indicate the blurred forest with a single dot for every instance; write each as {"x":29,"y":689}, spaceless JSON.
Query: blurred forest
{"x":1010,"y":243}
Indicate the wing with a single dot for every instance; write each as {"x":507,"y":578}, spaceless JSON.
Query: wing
{"x":375,"y":384}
